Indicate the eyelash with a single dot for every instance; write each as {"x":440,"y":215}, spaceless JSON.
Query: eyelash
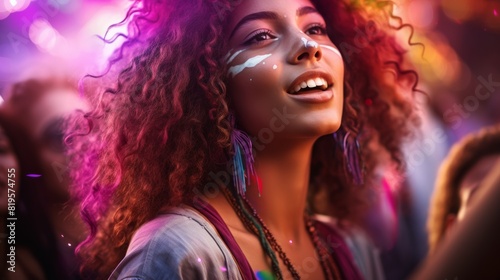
{"x":321,"y":28}
{"x":252,"y":38}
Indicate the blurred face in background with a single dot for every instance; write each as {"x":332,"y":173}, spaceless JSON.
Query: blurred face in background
{"x":43,"y":122}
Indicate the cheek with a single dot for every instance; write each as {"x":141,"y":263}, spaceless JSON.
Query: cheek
{"x":255,"y":91}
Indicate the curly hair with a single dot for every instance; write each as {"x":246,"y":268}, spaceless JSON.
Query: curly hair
{"x":462,"y":157}
{"x":161,"y":124}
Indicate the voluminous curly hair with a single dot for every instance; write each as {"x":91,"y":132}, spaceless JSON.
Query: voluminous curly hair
{"x":161,"y":125}
{"x":462,"y":157}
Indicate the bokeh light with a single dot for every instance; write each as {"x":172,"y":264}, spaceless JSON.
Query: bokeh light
{"x":47,"y":38}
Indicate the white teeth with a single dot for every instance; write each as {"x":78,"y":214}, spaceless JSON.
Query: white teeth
{"x":318,"y":81}
{"x":311,"y":83}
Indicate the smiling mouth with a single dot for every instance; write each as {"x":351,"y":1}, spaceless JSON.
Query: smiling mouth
{"x":309,"y":82}
{"x":310,"y":85}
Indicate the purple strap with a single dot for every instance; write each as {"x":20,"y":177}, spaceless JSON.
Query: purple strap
{"x":339,"y":251}
{"x":211,"y":214}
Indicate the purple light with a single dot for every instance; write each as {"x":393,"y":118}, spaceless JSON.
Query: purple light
{"x":223,"y":268}
{"x":34,"y":175}
{"x":15,"y":5}
{"x":199,"y":260}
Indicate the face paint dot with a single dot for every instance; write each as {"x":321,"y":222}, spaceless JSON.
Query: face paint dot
{"x":275,"y":66}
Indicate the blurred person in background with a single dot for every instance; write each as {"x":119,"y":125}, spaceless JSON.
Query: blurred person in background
{"x":48,"y":224}
{"x":464,"y":237}
{"x":459,"y":182}
{"x":460,"y":176}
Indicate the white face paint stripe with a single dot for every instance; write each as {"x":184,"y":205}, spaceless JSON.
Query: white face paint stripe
{"x":332,"y":49}
{"x":228,"y":54}
{"x":309,"y":44}
{"x":230,"y":59}
{"x":251,"y":62}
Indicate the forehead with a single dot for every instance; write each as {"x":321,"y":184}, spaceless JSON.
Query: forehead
{"x":55,"y":104}
{"x":282,"y":7}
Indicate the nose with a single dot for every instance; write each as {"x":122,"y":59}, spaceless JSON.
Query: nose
{"x":305,"y":49}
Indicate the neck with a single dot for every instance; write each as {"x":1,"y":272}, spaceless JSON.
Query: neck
{"x":284,"y":172}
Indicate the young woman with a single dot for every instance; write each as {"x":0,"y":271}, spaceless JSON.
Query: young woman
{"x":227,"y":126}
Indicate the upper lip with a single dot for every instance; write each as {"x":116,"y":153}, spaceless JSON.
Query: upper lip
{"x":310,"y":75}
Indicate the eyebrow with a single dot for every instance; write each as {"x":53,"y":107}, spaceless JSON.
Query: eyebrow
{"x":270,"y":16}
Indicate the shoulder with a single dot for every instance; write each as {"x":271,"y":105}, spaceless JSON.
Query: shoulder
{"x":180,"y":244}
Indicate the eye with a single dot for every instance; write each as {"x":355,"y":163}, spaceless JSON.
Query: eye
{"x":259,"y":36}
{"x":316,"y":29}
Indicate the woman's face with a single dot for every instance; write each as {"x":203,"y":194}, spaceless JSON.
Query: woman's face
{"x":45,"y":125}
{"x":285,"y":76}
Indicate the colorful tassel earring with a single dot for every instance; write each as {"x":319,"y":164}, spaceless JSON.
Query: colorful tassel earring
{"x":350,"y":147}
{"x":243,"y":161}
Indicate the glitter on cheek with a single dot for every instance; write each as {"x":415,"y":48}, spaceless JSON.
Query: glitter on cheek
{"x":335,"y":50}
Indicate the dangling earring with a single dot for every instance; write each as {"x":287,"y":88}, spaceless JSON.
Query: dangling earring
{"x":352,"y":154}
{"x":243,"y":163}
